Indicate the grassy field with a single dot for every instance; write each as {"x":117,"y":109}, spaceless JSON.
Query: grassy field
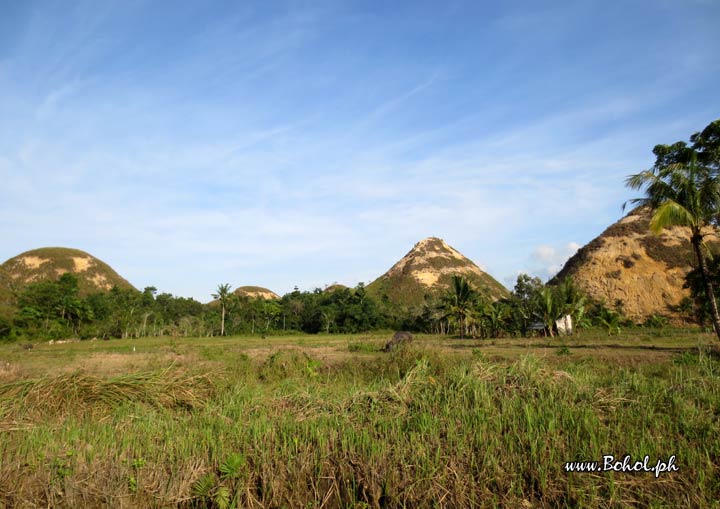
{"x":330,"y":421}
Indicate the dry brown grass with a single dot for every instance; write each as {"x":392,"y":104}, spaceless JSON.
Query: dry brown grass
{"x":33,"y":400}
{"x":8,"y":372}
{"x":111,"y":364}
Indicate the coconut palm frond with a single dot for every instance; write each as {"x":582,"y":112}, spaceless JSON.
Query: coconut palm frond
{"x":640,"y":180}
{"x":671,"y":213}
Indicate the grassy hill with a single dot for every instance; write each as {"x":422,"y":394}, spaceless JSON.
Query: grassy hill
{"x":256,"y":292}
{"x":49,"y":263}
{"x":335,"y":287}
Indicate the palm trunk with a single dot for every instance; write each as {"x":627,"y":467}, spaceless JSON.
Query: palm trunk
{"x":709,"y":291}
{"x":222,"y":321}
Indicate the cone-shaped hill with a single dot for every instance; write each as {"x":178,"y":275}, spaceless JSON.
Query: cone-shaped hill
{"x":628,"y":263}
{"x":256,"y":292}
{"x":49,"y":263}
{"x":427,"y":270}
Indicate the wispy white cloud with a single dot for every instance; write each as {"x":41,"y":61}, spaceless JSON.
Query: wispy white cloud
{"x":547,"y":260}
{"x":389,"y":105}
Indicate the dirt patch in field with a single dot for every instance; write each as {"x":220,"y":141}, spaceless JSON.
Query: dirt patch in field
{"x":631,"y":357}
{"x":8,"y":372}
{"x":622,"y":355}
{"x":325,"y":354}
{"x":112,"y":363}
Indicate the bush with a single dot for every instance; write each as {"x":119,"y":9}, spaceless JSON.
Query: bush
{"x":5,"y":328}
{"x":657,"y":322}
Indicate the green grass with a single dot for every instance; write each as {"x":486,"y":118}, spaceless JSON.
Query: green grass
{"x":330,"y":421}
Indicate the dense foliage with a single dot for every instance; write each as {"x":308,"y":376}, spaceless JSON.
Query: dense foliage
{"x":56,"y":310}
{"x":697,"y":306}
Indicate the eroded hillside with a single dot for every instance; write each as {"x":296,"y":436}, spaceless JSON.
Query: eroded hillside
{"x":629,"y":264}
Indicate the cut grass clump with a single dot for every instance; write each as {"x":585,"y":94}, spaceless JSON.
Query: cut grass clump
{"x":288,"y":363}
{"x":395,"y":365}
{"x":396,"y":398}
{"x":77,"y":392}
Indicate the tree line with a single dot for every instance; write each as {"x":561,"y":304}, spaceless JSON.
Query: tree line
{"x":55,"y":310}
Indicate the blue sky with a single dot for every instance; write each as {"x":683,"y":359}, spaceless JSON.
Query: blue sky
{"x":189,"y":144}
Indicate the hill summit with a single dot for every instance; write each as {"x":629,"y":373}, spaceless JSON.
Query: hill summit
{"x":629,"y":265}
{"x":335,"y":287}
{"x":49,"y":263}
{"x":427,"y":270}
{"x":256,"y":292}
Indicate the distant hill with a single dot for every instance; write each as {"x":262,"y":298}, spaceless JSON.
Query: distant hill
{"x":427,"y":270}
{"x":628,"y":263}
{"x":335,"y":287}
{"x":256,"y":292}
{"x":49,"y":263}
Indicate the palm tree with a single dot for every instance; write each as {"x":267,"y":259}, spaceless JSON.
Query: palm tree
{"x":458,"y":302}
{"x":681,"y":191}
{"x":222,"y":294}
{"x":571,"y":300}
{"x":493,"y":316}
{"x":548,"y":308}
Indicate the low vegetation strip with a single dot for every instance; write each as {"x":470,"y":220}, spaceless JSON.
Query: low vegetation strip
{"x":411,"y":428}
